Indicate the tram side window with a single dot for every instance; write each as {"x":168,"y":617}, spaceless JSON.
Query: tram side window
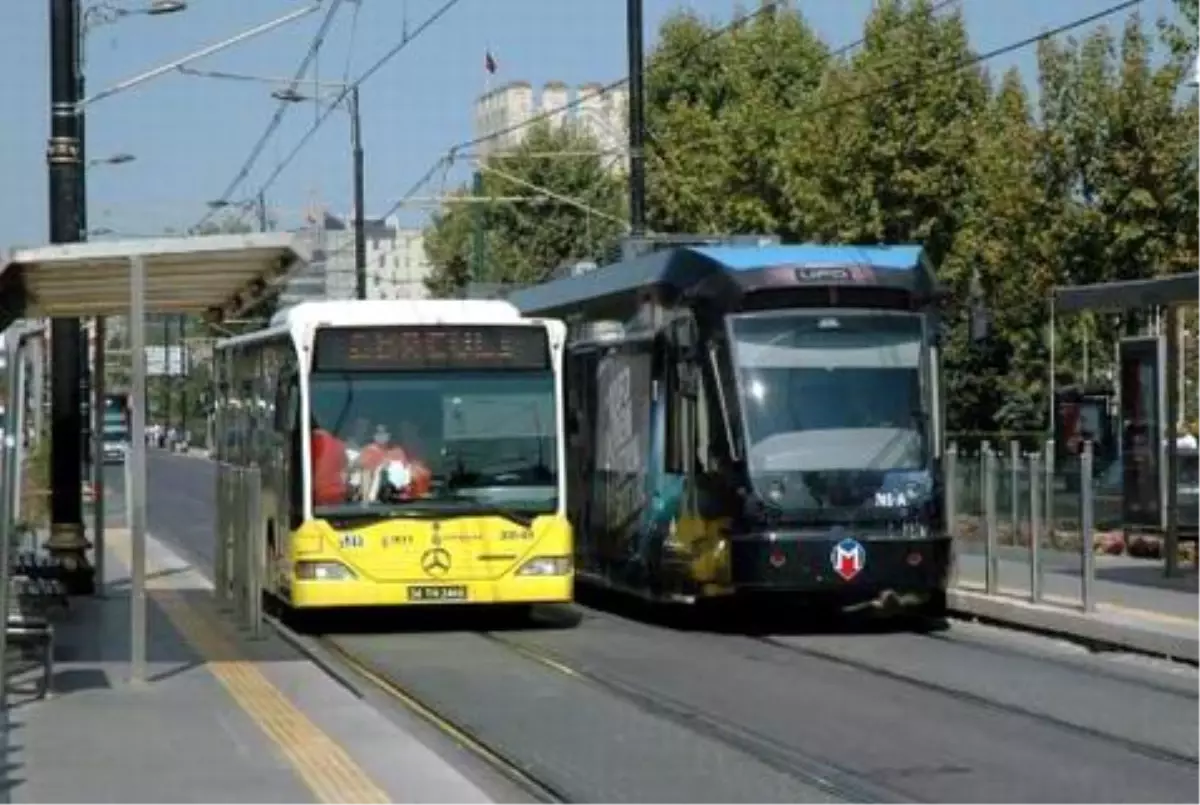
{"x":680,"y":415}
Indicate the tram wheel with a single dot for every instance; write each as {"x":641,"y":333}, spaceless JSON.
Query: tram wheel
{"x":932,"y":616}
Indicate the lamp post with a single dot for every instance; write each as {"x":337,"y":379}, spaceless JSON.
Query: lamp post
{"x":356,"y":148}
{"x":66,"y":158}
{"x":637,"y":126}
{"x":289,"y":94}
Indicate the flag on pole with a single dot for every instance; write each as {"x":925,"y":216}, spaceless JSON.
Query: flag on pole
{"x":489,"y":62}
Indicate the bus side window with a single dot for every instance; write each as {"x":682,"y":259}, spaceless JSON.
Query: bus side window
{"x":293,"y":428}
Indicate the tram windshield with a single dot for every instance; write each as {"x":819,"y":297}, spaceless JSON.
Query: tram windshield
{"x":461,"y":441}
{"x":835,"y":406}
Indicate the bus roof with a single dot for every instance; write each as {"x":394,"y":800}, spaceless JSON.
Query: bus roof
{"x":397,"y":311}
{"x":743,"y":268}
{"x":382,"y":312}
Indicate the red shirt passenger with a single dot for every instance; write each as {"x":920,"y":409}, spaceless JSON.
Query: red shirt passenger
{"x":379,"y":453}
{"x":328,"y":468}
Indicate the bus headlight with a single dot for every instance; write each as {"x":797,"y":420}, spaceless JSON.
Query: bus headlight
{"x":323,"y":571}
{"x":546,"y":566}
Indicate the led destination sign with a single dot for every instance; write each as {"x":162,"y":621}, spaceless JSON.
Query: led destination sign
{"x":442,"y":347}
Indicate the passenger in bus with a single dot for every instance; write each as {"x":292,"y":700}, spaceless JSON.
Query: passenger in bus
{"x":328,"y":467}
{"x":396,"y":469}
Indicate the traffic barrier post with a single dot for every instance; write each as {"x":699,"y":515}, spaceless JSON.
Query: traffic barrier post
{"x":990,"y":549}
{"x":1087,"y":527}
{"x":1035,"y":527}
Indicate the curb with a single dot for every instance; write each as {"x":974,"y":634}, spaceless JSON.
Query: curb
{"x":1107,"y":634}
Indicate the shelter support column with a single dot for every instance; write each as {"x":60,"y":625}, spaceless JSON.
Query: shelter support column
{"x":135,"y":472}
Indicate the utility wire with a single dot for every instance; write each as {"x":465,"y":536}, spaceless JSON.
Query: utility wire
{"x":954,"y":66}
{"x":429,"y":21}
{"x":970,"y":61}
{"x":737,"y":22}
{"x":276,"y":119}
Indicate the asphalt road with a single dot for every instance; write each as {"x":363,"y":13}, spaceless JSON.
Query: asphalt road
{"x":619,"y":709}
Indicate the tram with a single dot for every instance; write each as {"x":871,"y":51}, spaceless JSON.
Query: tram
{"x":750,"y":420}
{"x":409,"y":452}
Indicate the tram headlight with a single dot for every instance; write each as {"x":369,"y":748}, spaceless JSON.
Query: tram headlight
{"x":546,"y":566}
{"x":323,"y":571}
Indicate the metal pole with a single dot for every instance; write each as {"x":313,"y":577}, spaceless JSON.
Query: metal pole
{"x":951,"y":487}
{"x":360,"y":215}
{"x":181,"y":379}
{"x":98,"y":412}
{"x":478,"y":230}
{"x":8,"y":461}
{"x":637,"y":124}
{"x":1173,"y":431}
{"x":262,"y":211}
{"x":1087,"y":514}
{"x":66,"y":471}
{"x":992,"y":560}
{"x":165,"y":414}
{"x":1014,"y":491}
{"x":220,"y":558}
{"x":137,"y":470}
{"x":1048,"y":511}
{"x":254,"y":548}
{"x":16,"y":424}
{"x":950,"y":503}
{"x":1035,"y":527}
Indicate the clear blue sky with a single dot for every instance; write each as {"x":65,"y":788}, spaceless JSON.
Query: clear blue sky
{"x":190,"y":135}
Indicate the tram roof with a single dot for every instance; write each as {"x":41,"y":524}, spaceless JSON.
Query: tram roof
{"x":680,"y":269}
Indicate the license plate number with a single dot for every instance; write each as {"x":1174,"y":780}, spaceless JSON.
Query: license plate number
{"x":437,"y":593}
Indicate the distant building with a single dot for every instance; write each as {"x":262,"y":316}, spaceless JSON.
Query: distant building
{"x":602,"y":114}
{"x":396,"y":262}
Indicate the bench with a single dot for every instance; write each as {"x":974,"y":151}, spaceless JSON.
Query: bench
{"x":35,"y":591}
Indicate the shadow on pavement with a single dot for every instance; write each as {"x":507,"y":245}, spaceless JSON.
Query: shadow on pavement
{"x":776,"y":616}
{"x":443,"y":619}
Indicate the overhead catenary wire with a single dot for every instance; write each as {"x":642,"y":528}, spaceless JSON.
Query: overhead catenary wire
{"x":867,"y":95}
{"x":891,"y":88}
{"x":276,"y":119}
{"x":333,"y":104}
{"x":448,"y":158}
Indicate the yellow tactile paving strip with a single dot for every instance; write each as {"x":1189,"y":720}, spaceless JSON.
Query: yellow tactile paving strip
{"x":326,"y":768}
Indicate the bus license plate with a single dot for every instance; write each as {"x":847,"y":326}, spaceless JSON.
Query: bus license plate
{"x":437,"y":593}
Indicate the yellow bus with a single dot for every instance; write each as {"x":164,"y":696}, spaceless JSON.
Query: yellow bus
{"x":409,"y":451}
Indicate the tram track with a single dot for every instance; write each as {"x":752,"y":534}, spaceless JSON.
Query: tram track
{"x":1130,"y":745}
{"x":495,"y":758}
{"x":846,"y":785}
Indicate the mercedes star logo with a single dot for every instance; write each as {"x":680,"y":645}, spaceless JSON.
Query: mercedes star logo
{"x":436,"y":561}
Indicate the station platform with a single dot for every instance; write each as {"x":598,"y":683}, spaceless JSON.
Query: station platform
{"x":221,"y":717}
{"x":1137,"y":607}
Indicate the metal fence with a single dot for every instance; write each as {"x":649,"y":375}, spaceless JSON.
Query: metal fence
{"x":1017,"y":505}
{"x":240,"y":559}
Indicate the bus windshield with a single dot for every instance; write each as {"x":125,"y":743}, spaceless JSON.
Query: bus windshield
{"x":835,"y":406}
{"x":461,"y":440}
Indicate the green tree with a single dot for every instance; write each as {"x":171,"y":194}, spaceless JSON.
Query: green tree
{"x":1118,"y":169}
{"x":897,"y":128}
{"x":719,"y":114}
{"x":577,"y":214}
{"x":1001,"y":383}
